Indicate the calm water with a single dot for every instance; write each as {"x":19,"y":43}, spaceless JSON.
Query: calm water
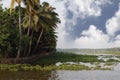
{"x":62,"y":75}
{"x":89,"y":75}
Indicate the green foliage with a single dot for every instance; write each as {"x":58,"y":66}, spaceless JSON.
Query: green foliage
{"x":27,"y":67}
{"x":8,"y":34}
{"x":42,"y":17}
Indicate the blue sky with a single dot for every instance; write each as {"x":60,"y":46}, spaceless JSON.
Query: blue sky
{"x":87,"y":23}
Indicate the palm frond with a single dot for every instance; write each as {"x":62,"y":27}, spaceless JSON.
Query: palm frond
{"x":12,"y":5}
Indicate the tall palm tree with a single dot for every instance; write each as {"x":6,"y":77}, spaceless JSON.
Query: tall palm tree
{"x":20,"y":28}
{"x":39,"y":18}
{"x":31,"y":18}
{"x":47,"y":20}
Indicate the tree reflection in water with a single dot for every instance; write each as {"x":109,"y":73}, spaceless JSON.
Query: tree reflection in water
{"x":54,"y":76}
{"x":29,"y":75}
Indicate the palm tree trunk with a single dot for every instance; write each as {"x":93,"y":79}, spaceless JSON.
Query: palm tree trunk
{"x":25,"y":48}
{"x":20,"y":33}
{"x":28,"y":31}
{"x":40,"y":35}
{"x":30,"y":45}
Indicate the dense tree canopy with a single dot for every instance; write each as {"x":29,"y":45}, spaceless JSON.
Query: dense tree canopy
{"x":38,"y":24}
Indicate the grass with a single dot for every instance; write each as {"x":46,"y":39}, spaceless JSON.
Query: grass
{"x":66,"y":57}
{"x":25,"y":67}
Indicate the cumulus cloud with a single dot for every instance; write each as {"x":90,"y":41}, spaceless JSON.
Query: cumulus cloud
{"x":92,"y":38}
{"x":95,"y":38}
{"x":113,"y":24}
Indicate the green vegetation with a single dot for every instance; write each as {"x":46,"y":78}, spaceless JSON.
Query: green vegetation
{"x":69,"y":57}
{"x":48,"y":63}
{"x":25,"y":67}
{"x":66,"y":57}
{"x":27,"y":31}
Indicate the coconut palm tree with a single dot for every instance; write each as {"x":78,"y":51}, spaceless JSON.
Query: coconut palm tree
{"x":47,"y":20}
{"x":20,"y":28}
{"x":31,"y":18}
{"x":39,"y":18}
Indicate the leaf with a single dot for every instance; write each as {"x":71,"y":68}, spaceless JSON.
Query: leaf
{"x":36,"y":19}
{"x":12,"y":5}
{"x":25,"y":23}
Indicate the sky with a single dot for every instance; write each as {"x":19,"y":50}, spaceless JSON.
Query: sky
{"x":86,"y":23}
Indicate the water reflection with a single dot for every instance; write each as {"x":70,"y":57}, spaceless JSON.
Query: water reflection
{"x":61,"y":75}
{"x":54,"y":76}
{"x":28,"y":75}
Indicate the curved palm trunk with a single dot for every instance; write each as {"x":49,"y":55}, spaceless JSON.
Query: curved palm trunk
{"x":20,"y":33}
{"x":40,"y":35}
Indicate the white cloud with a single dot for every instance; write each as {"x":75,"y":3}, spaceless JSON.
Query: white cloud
{"x":86,"y":8}
{"x":6,"y":3}
{"x":95,"y":38}
{"x":92,"y":38}
{"x":113,"y":24}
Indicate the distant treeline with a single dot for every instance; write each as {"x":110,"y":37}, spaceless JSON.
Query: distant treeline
{"x":75,"y":50}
